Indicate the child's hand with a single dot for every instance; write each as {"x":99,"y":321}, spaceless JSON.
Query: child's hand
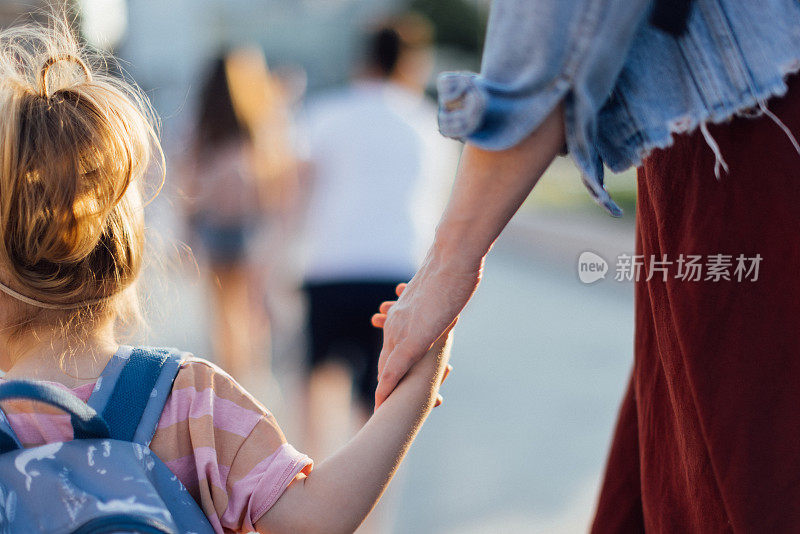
{"x":435,"y":360}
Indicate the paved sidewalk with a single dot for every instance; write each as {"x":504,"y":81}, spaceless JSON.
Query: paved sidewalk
{"x":541,"y":362}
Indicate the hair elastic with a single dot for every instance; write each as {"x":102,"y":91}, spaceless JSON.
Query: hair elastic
{"x":48,"y":305}
{"x":55,"y":59}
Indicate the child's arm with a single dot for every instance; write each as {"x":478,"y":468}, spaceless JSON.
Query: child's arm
{"x":338,"y":495}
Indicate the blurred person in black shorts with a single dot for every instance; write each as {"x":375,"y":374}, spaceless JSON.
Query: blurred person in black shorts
{"x":379,"y":173}
{"x":339,"y":328}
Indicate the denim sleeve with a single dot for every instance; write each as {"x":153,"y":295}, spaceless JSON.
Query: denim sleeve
{"x":538,"y":53}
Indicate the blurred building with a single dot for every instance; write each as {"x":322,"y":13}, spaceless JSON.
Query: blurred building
{"x":165,"y":46}
{"x":168,"y":44}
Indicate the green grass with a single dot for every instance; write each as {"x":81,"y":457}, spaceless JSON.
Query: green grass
{"x":561,"y":188}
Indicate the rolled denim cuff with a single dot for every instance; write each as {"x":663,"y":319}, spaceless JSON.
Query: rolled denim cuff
{"x":493,"y":117}
{"x":462,"y":105}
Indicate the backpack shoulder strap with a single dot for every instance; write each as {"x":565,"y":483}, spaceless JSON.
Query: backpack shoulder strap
{"x":132,"y":392}
{"x":108,"y":379}
{"x":159,"y":394}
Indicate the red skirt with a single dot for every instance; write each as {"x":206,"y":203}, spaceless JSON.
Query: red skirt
{"x":708,"y":436}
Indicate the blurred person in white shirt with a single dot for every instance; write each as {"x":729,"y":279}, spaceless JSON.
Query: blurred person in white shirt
{"x":378,"y":176}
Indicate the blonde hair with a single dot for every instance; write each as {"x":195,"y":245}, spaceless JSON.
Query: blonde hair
{"x":75,"y":145}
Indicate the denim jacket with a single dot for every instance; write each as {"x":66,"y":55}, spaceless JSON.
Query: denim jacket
{"x":627,"y":87}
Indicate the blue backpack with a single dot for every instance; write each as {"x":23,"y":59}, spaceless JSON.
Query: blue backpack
{"x":106,"y":479}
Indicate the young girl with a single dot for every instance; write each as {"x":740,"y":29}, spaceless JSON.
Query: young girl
{"x":75,"y":147}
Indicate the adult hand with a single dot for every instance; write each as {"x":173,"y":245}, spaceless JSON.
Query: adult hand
{"x":488,"y":190}
{"x":427,"y":307}
{"x":379,"y":320}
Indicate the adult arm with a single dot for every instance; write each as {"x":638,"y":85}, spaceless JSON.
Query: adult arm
{"x":548,"y":67}
{"x":488,"y":190}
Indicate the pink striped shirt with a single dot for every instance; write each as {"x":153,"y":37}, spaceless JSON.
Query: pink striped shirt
{"x":222,"y":444}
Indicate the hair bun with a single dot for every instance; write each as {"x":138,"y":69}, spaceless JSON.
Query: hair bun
{"x":76,"y":147}
{"x":52,"y":61}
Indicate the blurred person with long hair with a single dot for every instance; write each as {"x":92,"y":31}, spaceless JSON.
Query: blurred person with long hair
{"x":240,"y":158}
{"x":377,"y":174}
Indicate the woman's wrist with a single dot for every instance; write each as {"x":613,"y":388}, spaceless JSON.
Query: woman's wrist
{"x":457,"y":247}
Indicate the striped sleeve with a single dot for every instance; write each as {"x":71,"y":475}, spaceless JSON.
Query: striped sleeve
{"x":225,"y":447}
